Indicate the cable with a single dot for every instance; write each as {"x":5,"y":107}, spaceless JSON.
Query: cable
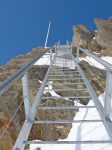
{"x":7,"y":126}
{"x":11,"y":120}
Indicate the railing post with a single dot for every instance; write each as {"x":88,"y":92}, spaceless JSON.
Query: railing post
{"x":25,"y":86}
{"x":77,"y":56}
{"x":71,"y":48}
{"x":67,"y":43}
{"x":50,"y":56}
{"x":108,"y":96}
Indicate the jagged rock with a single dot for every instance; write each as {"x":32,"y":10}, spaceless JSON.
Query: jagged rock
{"x":93,"y":46}
{"x":97,"y":41}
{"x":95,"y":76}
{"x":104,"y":34}
{"x":82,"y":36}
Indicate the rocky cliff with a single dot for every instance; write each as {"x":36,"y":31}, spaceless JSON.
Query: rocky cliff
{"x":97,"y":41}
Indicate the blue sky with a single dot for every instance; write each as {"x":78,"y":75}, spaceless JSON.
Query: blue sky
{"x":23,"y":23}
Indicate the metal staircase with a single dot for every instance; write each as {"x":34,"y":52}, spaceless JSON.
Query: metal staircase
{"x":66,"y":77}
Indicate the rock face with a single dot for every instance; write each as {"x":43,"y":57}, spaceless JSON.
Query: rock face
{"x":81,"y":36}
{"x":96,"y":41}
{"x":104,"y":35}
{"x":93,"y":46}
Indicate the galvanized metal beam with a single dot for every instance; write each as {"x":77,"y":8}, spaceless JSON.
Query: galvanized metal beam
{"x":64,"y":107}
{"x":73,"y":75}
{"x":63,"y":97}
{"x":65,"y":83}
{"x":107,"y":123}
{"x":70,"y":142}
{"x":25,"y":86}
{"x":5,"y":85}
{"x":57,"y":90}
{"x":108,"y":96}
{"x":104,"y":63}
{"x":23,"y":135}
{"x":64,"y":121}
{"x":64,"y":69}
{"x":64,"y":79}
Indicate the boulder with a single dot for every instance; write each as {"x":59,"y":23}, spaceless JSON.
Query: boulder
{"x":93,"y":46}
{"x":82,"y":36}
{"x":104,"y":34}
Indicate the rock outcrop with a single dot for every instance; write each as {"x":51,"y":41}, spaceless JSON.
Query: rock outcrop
{"x":104,"y":34}
{"x":82,"y":36}
{"x":96,"y":41}
{"x":93,"y":46}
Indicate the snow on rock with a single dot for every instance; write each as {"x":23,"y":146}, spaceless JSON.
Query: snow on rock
{"x":49,"y":89}
{"x":96,"y":64}
{"x":107,"y":59}
{"x":44,"y":60}
{"x":92,"y":62}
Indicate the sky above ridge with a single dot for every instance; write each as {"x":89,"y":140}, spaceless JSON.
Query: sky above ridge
{"x":24,"y":23}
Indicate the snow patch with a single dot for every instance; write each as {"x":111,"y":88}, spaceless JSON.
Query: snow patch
{"x":96,"y":64}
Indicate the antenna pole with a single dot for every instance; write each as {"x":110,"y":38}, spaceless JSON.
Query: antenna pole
{"x":47,"y":35}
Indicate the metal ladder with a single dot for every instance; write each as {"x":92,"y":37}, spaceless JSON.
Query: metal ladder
{"x":65,"y":71}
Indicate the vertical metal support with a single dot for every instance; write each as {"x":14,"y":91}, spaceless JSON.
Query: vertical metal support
{"x":77,"y":55}
{"x":50,"y":56}
{"x":25,"y":86}
{"x":67,"y":43}
{"x":23,"y":135}
{"x":108,"y":96}
{"x":58,"y":45}
{"x":71,"y":48}
{"x":55,"y":48}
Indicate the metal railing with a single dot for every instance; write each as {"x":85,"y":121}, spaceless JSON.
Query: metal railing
{"x":21,"y":74}
{"x":106,"y":110}
{"x":5,"y":85}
